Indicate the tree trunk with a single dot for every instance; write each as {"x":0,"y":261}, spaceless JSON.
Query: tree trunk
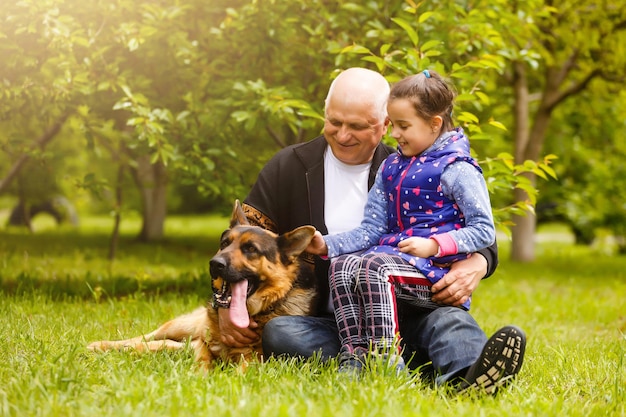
{"x":118,"y":213}
{"x":523,"y":231}
{"x":24,"y":204}
{"x":528,"y":145}
{"x":152,"y":182}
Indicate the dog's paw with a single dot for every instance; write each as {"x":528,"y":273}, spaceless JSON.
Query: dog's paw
{"x":100,"y":346}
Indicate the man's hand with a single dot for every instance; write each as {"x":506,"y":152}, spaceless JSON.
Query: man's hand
{"x":419,"y":246}
{"x":457,"y":285}
{"x":317,"y":245}
{"x":232,"y":335}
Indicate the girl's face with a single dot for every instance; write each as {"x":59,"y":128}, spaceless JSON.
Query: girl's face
{"x":414,"y":134}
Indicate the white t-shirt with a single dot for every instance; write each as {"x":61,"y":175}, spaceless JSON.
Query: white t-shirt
{"x":345,"y":195}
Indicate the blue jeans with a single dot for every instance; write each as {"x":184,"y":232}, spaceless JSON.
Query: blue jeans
{"x":445,"y":341}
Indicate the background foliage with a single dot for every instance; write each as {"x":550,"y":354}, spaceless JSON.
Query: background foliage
{"x":161,"y":106}
{"x":106,"y":101}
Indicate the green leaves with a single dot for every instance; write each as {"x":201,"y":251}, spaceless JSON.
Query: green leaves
{"x":213,"y":89}
{"x":406,"y":26}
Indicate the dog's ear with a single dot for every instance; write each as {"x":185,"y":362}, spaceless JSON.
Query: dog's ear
{"x":292,"y":244}
{"x":238,"y":217}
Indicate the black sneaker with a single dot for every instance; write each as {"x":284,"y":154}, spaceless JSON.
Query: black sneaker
{"x":499,"y":362}
{"x":351,"y":364}
{"x":388,"y":361}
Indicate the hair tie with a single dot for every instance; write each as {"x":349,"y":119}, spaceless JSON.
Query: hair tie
{"x":426,"y":73}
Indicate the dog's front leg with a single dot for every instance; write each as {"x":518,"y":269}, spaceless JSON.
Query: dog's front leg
{"x":204,"y":357}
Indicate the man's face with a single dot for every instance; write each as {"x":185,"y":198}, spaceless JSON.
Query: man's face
{"x":352,"y":130}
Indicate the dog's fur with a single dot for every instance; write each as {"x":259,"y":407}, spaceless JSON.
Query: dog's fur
{"x":279,"y":283}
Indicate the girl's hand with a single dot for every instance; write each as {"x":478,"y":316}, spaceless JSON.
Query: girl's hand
{"x":317,"y":245}
{"x":419,"y":246}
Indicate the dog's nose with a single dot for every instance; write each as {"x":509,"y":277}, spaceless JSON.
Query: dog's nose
{"x":217,"y":266}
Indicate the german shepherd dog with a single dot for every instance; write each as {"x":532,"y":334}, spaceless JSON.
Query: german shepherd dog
{"x":255,"y":274}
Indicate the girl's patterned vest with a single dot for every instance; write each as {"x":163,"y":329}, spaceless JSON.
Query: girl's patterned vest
{"x":416,"y":203}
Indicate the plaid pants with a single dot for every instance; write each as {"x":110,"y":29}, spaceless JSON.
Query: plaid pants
{"x":366,"y":290}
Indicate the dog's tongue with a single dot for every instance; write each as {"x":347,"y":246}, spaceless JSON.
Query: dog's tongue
{"x":238,"y":310}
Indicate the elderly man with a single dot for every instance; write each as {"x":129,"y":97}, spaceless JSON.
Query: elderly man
{"x":324,"y":182}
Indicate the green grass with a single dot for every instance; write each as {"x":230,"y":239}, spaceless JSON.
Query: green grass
{"x":69,"y":261}
{"x":57,"y":294}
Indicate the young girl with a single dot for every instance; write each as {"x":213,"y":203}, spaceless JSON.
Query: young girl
{"x":429,"y":206}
